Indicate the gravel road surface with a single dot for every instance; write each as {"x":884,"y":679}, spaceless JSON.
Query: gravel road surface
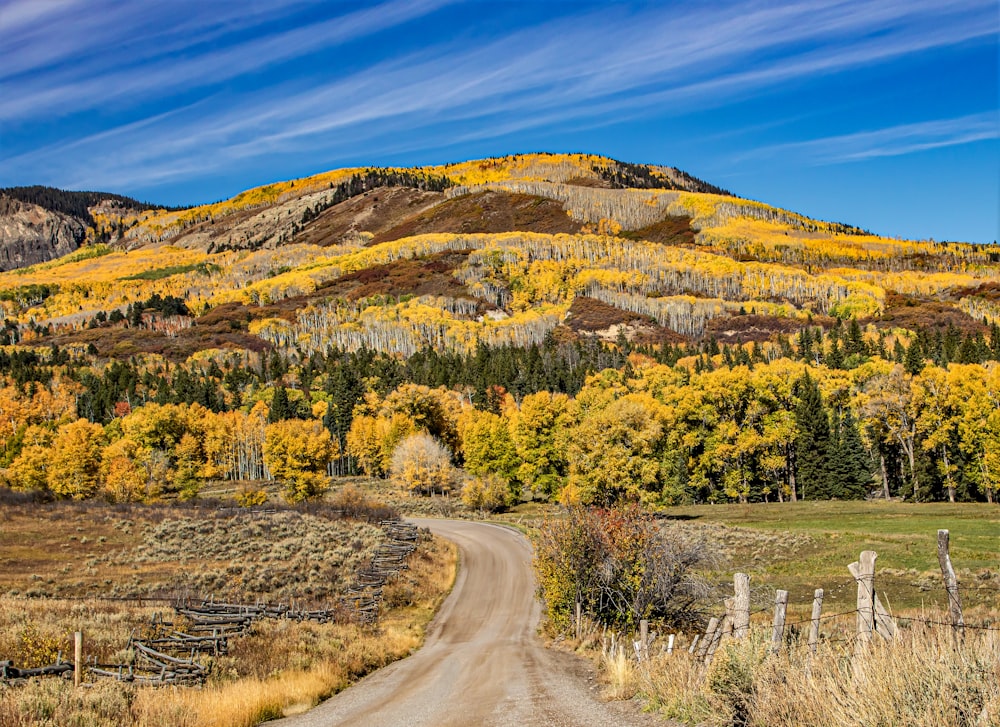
{"x":482,"y":663}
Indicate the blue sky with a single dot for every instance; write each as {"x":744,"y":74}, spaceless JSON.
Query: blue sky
{"x":882,"y":114}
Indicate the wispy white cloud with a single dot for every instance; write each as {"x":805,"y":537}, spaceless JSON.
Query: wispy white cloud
{"x":75,"y":86}
{"x":892,"y":141}
{"x":611,"y":63}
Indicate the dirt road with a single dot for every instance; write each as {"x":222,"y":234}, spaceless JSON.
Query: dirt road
{"x":482,"y":663}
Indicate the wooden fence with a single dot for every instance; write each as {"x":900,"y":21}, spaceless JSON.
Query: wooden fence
{"x":872,"y":619}
{"x":204,"y":627}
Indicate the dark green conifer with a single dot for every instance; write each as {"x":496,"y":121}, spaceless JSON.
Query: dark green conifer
{"x":280,"y":409}
{"x":812,"y":445}
{"x":914,"y":360}
{"x":850,"y":467}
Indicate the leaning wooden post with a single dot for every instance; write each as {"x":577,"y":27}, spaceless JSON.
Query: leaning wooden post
{"x":866,"y":596}
{"x":951,"y":585}
{"x":713,"y":624}
{"x":814,"y":625}
{"x":77,"y":658}
{"x":741,"y":605}
{"x":714,"y":644}
{"x":884,"y":624}
{"x":778,"y":632}
{"x":579,"y":614}
{"x":727,"y":622}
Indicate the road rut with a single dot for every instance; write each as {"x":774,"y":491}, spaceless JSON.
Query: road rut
{"x":482,"y":662}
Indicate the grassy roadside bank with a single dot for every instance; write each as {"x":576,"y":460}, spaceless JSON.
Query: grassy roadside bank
{"x":282,"y":667}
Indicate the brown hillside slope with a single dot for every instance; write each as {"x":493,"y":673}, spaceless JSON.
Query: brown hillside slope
{"x":373,"y":212}
{"x":488,"y":211}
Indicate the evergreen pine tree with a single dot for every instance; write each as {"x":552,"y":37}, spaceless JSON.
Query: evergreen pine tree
{"x":914,"y":361}
{"x":280,"y":409}
{"x":805,"y":344}
{"x":851,"y":475}
{"x":969,"y":351}
{"x":835,"y":358}
{"x":812,"y":445}
{"x":898,"y":352}
{"x":854,"y":344}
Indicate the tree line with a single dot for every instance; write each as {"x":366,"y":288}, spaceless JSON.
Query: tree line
{"x":577,"y":422}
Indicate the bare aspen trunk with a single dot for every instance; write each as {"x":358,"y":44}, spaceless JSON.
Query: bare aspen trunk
{"x":947,"y":474}
{"x":644,"y":639}
{"x":791,"y":476}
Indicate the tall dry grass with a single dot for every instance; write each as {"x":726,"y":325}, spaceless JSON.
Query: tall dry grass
{"x":283,"y":667}
{"x":918,"y":680}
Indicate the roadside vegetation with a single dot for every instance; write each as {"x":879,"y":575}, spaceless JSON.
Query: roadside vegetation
{"x":920,"y":680}
{"x":922,"y":677}
{"x":124,"y":564}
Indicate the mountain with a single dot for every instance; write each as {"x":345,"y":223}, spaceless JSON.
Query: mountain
{"x":32,"y":234}
{"x":496,"y":251}
{"x":38,"y":223}
{"x":581,"y":328}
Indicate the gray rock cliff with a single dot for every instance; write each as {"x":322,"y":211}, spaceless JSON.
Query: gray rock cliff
{"x":30,"y":234}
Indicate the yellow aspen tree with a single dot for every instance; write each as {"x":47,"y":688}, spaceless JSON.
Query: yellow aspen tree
{"x":422,"y":465}
{"x":75,"y":460}
{"x":122,"y":478}
{"x":297,"y":453}
{"x":29,"y":470}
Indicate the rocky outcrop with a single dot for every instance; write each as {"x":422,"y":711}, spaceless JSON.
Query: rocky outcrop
{"x":30,"y":234}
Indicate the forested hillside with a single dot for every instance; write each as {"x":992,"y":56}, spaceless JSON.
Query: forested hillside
{"x":558,"y":326}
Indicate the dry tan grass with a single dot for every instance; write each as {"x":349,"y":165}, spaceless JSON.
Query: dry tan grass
{"x":278,"y":556}
{"x":281,"y":668}
{"x":93,"y":549}
{"x":918,"y":680}
{"x":405,"y":502}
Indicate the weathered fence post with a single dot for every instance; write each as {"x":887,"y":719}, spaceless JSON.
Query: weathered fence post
{"x":670,"y":644}
{"x":713,"y":624}
{"x":865,"y":577}
{"x":694,"y":643}
{"x":714,"y":644}
{"x":778,"y":632}
{"x":644,"y":639}
{"x":77,"y":658}
{"x":882,"y":622}
{"x":727,"y":622}
{"x":951,"y":585}
{"x":814,"y":625}
{"x":579,"y":615}
{"x":741,"y":605}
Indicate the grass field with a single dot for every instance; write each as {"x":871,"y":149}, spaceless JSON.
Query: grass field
{"x":62,"y":564}
{"x":802,"y":546}
{"x":92,"y":549}
{"x":919,"y":679}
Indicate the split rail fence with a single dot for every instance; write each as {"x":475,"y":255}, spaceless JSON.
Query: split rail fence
{"x":204,"y":628}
